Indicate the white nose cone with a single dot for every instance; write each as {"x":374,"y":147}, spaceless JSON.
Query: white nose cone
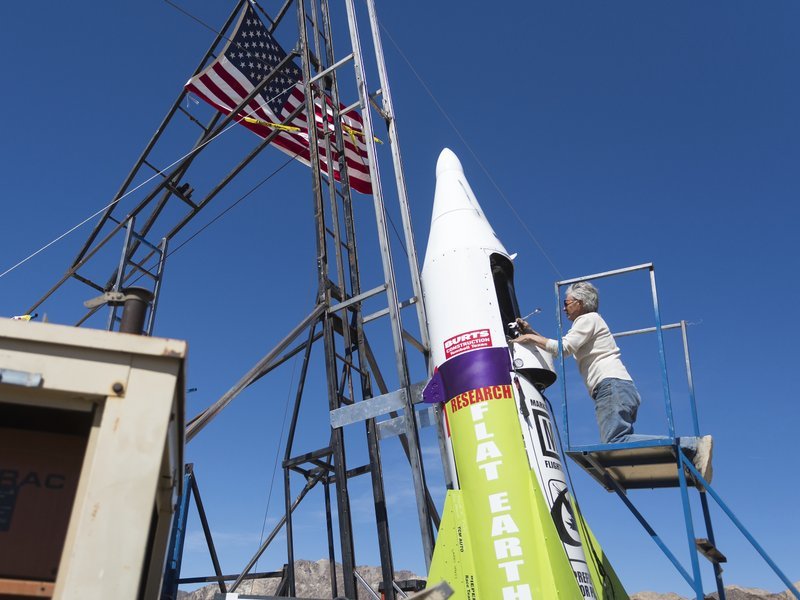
{"x":448,"y":161}
{"x":457,"y":280}
{"x":457,"y":219}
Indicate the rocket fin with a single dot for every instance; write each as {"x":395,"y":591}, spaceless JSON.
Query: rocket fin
{"x":606,"y":583}
{"x":453,"y":561}
{"x":554,"y":571}
{"x":454,"y":558}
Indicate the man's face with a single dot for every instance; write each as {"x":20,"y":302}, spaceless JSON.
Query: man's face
{"x":573,"y":308}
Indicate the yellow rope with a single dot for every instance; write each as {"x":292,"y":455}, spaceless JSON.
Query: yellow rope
{"x":279,"y":126}
{"x":352,"y":132}
{"x":356,"y":132}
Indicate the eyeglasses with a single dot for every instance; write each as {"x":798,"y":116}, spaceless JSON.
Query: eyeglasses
{"x":568,"y":302}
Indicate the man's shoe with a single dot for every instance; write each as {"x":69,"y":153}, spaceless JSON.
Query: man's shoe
{"x":702,"y":458}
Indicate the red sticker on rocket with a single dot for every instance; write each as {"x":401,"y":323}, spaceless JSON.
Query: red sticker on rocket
{"x":471,"y":340}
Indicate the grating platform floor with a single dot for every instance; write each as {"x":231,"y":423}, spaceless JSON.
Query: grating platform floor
{"x":637,"y":465}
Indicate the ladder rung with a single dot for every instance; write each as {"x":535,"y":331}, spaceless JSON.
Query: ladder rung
{"x":308,"y":457}
{"x":358,"y":471}
{"x":157,"y":170}
{"x":709,"y":550}
{"x":349,"y":363}
{"x":193,"y":119}
{"x":143,"y":240}
{"x":89,"y":283}
{"x":342,"y":240}
{"x":143,"y":270}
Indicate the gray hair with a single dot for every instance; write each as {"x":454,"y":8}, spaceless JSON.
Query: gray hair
{"x":586,"y":293}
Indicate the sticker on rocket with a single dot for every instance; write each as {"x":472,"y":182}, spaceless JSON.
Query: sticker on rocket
{"x":470,"y":340}
{"x":562,"y":514}
{"x":545,"y":430}
{"x":546,"y":463}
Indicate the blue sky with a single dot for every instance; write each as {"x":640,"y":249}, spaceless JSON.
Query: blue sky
{"x":621,"y":133}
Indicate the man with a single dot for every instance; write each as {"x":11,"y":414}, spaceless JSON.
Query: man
{"x":615,"y":396}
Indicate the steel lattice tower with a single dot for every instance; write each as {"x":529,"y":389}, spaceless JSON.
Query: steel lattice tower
{"x":353,"y":374}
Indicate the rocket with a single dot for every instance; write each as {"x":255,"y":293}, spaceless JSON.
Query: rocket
{"x":509,"y":530}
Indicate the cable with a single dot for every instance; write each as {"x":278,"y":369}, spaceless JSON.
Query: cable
{"x":397,"y":233}
{"x":59,"y":238}
{"x":224,"y":212}
{"x":112,"y":203}
{"x":472,"y":152}
{"x":193,"y":17}
{"x":275,"y":467}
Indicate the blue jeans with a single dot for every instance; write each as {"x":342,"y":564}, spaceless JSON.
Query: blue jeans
{"x":616,"y":402}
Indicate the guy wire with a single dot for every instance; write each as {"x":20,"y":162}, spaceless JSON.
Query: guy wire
{"x":472,"y":152}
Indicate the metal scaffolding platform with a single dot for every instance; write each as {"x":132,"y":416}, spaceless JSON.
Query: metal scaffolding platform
{"x":634,"y":466}
{"x":659,"y":463}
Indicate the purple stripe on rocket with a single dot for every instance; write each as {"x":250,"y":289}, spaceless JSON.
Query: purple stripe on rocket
{"x":469,"y":371}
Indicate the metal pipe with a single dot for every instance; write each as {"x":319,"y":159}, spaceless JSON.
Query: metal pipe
{"x":645,"y":330}
{"x":309,"y":484}
{"x":332,"y":68}
{"x":710,"y":534}
{"x":743,"y":530}
{"x":697,"y":583}
{"x":112,"y":307}
{"x":198,"y":502}
{"x":287,"y":491}
{"x":214,"y":579}
{"x":337,"y":440}
{"x":134,"y":310}
{"x":384,"y":543}
{"x":400,"y":180}
{"x":605,"y":274}
{"x":162,"y":260}
{"x":301,"y":382}
{"x":169,"y":590}
{"x":690,"y":379}
{"x":331,"y":547}
{"x":662,"y":355}
{"x":610,"y":482}
{"x":366,"y":586}
{"x":358,"y":298}
{"x":562,"y":366}
{"x":289,"y":354}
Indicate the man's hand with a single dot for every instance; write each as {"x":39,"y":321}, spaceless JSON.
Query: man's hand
{"x":523,"y":326}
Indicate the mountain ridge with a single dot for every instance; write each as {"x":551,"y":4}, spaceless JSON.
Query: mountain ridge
{"x":313,"y":581}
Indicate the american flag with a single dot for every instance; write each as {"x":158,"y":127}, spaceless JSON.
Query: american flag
{"x":249,"y":56}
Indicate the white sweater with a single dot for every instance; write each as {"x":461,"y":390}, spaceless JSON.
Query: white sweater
{"x":591,"y":343}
